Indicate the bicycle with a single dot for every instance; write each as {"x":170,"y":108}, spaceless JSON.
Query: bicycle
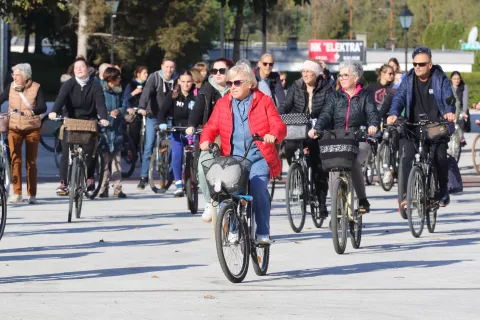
{"x":235,"y":225}
{"x":369,"y":168}
{"x":131,"y":152}
{"x":160,"y":177}
{"x":44,"y":142}
{"x":387,"y":158}
{"x":422,"y":186}
{"x":300,"y":191}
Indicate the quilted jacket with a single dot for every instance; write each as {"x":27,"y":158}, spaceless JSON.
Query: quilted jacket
{"x":263,"y":118}
{"x":343,"y":112}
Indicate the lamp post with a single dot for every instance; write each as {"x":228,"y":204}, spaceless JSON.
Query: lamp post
{"x":113,"y":6}
{"x":406,"y":18}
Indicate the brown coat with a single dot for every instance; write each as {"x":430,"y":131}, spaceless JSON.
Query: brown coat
{"x":18,"y":121}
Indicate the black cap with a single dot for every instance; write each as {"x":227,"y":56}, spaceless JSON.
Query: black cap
{"x":421,"y":49}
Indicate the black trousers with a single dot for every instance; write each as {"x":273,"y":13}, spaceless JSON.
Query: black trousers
{"x":134,"y":130}
{"x":87,"y":150}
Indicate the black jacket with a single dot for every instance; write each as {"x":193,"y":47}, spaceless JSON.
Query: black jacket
{"x":85,"y":103}
{"x":363,"y":111}
{"x":181,"y":107}
{"x":278,"y":94}
{"x":154,"y":93}
{"x":297,"y":98}
{"x":130,"y":101}
{"x":204,"y":102}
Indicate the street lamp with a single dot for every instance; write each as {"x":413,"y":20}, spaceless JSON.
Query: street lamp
{"x":406,"y":18}
{"x":113,"y":6}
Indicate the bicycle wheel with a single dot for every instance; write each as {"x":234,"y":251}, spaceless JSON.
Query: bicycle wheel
{"x":129,"y":156}
{"x":314,"y":203}
{"x":432,"y":201}
{"x":476,"y":153}
{"x":384,"y":166}
{"x":72,"y":187}
{"x":295,"y":197}
{"x":45,"y":142}
{"x":356,"y":230}
{"x":369,"y":169}
{"x":401,"y":210}
{"x":57,"y":152}
{"x":191,"y":188}
{"x":81,"y":187}
{"x":3,"y":210}
{"x":416,"y":201}
{"x":6,"y":173}
{"x":272,"y":188}
{"x":339,"y":216}
{"x":232,"y":242}
{"x":98,"y":176}
{"x":260,"y":258}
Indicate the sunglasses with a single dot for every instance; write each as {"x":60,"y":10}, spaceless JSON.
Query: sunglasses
{"x":268,"y":64}
{"x":420,"y":64}
{"x":221,"y":71}
{"x":236,"y":83}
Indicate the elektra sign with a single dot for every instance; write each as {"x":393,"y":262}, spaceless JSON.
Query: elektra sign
{"x":336,"y":51}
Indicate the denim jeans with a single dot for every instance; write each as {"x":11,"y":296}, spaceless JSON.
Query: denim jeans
{"x":150,"y":137}
{"x":178,"y":142}
{"x":259,"y":179}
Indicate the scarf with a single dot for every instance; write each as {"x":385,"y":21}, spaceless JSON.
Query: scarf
{"x":81,"y":82}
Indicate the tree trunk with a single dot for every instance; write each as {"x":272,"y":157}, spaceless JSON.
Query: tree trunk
{"x":238,"y":30}
{"x":82,"y":24}
{"x":28,"y":32}
{"x":38,"y":20}
{"x":264,"y":27}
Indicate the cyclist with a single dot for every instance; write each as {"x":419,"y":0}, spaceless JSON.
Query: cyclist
{"x":83,"y":98}
{"x":425,"y":90}
{"x":393,"y":63}
{"x":114,"y":133}
{"x":158,"y":85}
{"x":264,"y":72}
{"x":348,"y":109}
{"x":308,"y":95}
{"x":238,"y":115}
{"x":380,"y":89}
{"x":178,"y":102}
{"x":26,"y":96}
{"x":207,"y":97}
{"x":460,"y":90}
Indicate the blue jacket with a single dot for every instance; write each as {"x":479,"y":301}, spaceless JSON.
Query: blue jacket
{"x":114,"y":132}
{"x":441,"y":89}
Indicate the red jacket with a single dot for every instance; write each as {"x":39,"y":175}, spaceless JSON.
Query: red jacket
{"x":263,"y":118}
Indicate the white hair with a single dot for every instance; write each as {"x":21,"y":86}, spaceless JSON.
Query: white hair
{"x":102,"y":68}
{"x":244,"y":70}
{"x":25,"y":69}
{"x":354,"y":67}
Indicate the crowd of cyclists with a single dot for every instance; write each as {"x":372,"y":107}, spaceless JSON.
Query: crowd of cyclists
{"x":230,"y":102}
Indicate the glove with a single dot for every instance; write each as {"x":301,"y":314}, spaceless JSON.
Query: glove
{"x":189,"y":131}
{"x":163,"y":126}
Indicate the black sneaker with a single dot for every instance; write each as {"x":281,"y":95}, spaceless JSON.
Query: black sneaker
{"x":363,"y":206}
{"x":120,"y":195}
{"x":323,"y":211}
{"x":141,"y":184}
{"x":444,"y":198}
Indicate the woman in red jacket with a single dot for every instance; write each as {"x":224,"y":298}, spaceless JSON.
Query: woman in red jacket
{"x":239,"y":114}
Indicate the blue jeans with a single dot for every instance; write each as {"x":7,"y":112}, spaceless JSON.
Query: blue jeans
{"x":150,"y":137}
{"x":178,"y":142}
{"x":259,"y":179}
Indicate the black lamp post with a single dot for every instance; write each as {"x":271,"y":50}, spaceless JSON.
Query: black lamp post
{"x":406,"y":18}
{"x":113,"y":6}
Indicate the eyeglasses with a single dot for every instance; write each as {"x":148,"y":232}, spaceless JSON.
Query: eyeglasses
{"x":420,"y":64}
{"x":283,"y":80}
{"x":236,"y":83}
{"x":268,"y":64}
{"x":221,"y":70}
{"x":343,"y":76}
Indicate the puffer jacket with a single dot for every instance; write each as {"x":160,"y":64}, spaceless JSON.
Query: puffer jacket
{"x":263,"y":118}
{"x":114,"y":132}
{"x":297,"y":98}
{"x":204,"y":105}
{"x":343,"y":112}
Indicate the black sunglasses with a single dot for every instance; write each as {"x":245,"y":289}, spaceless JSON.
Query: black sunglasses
{"x":268,"y":64}
{"x":236,"y":83}
{"x":421,"y":64}
{"x":221,"y":70}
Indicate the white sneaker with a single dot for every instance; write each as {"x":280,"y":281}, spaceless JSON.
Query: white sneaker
{"x":32,"y":200}
{"x":17,"y":198}
{"x":387,"y":177}
{"x":233,"y":237}
{"x":263,"y":239}
{"x":207,"y":213}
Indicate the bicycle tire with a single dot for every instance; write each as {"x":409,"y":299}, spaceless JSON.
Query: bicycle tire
{"x":369,"y":165}
{"x":415,"y":181}
{"x":400,"y":191}
{"x":315,"y":204}
{"x":129,"y":156}
{"x":339,"y":203}
{"x":260,"y":262}
{"x":380,"y":163}
{"x":81,"y":188}
{"x":432,"y":196}
{"x":295,"y":172}
{"x":356,"y":232}
{"x":227,"y":213}
{"x":71,"y":187}
{"x":6,"y":172}
{"x":159,"y":166}
{"x":42,"y":140}
{"x":3,"y":210}
{"x":191,"y":188}
{"x":57,"y":152}
{"x":98,"y":177}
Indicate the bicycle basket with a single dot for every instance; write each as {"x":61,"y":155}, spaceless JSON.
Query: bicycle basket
{"x":338,"y":150}
{"x":4,"y":120}
{"x":80,"y":131}
{"x":298,"y":125}
{"x":226,"y":176}
{"x":436,"y":131}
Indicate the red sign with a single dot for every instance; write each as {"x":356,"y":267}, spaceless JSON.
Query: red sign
{"x":336,"y":51}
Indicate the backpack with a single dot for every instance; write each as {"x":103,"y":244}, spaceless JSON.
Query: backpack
{"x":455,"y":183}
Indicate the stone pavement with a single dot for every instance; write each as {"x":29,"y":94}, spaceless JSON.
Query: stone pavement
{"x":146,"y":257}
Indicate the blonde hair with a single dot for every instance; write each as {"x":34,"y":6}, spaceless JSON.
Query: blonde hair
{"x":197,"y":77}
{"x":244,"y":70}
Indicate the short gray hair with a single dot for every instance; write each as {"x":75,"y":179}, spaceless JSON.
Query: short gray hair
{"x":354,"y":67}
{"x":25,"y":69}
{"x":244,"y":61}
{"x":244,"y":70}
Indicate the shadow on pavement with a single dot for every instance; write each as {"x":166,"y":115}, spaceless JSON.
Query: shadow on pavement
{"x":46,"y":256}
{"x":388,"y":248}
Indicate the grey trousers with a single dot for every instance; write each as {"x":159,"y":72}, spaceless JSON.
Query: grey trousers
{"x":202,"y":181}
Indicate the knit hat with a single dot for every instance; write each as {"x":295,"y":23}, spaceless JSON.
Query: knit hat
{"x":312,"y":66}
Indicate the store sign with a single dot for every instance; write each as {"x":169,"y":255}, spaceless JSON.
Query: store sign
{"x":336,"y":51}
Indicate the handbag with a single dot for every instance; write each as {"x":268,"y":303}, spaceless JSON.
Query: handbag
{"x":436,"y":131}
{"x":298,"y":125}
{"x":80,"y":131}
{"x":338,"y":150}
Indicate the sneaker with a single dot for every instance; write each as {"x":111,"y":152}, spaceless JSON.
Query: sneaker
{"x":463,"y":143}
{"x":207,"y":213}
{"x":62,"y":189}
{"x":90,"y":184}
{"x":263,"y":239}
{"x":103,"y":194}
{"x":363,"y":206}
{"x":233,"y":237}
{"x":387,"y":177}
{"x":17,"y":198}
{"x":179,"y":191}
{"x":444,"y":197}
{"x":120,"y":195}
{"x":323,"y":211}
{"x":32,"y":200}
{"x":141,"y":184}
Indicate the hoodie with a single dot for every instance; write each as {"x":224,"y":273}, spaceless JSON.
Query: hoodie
{"x":155,"y":91}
